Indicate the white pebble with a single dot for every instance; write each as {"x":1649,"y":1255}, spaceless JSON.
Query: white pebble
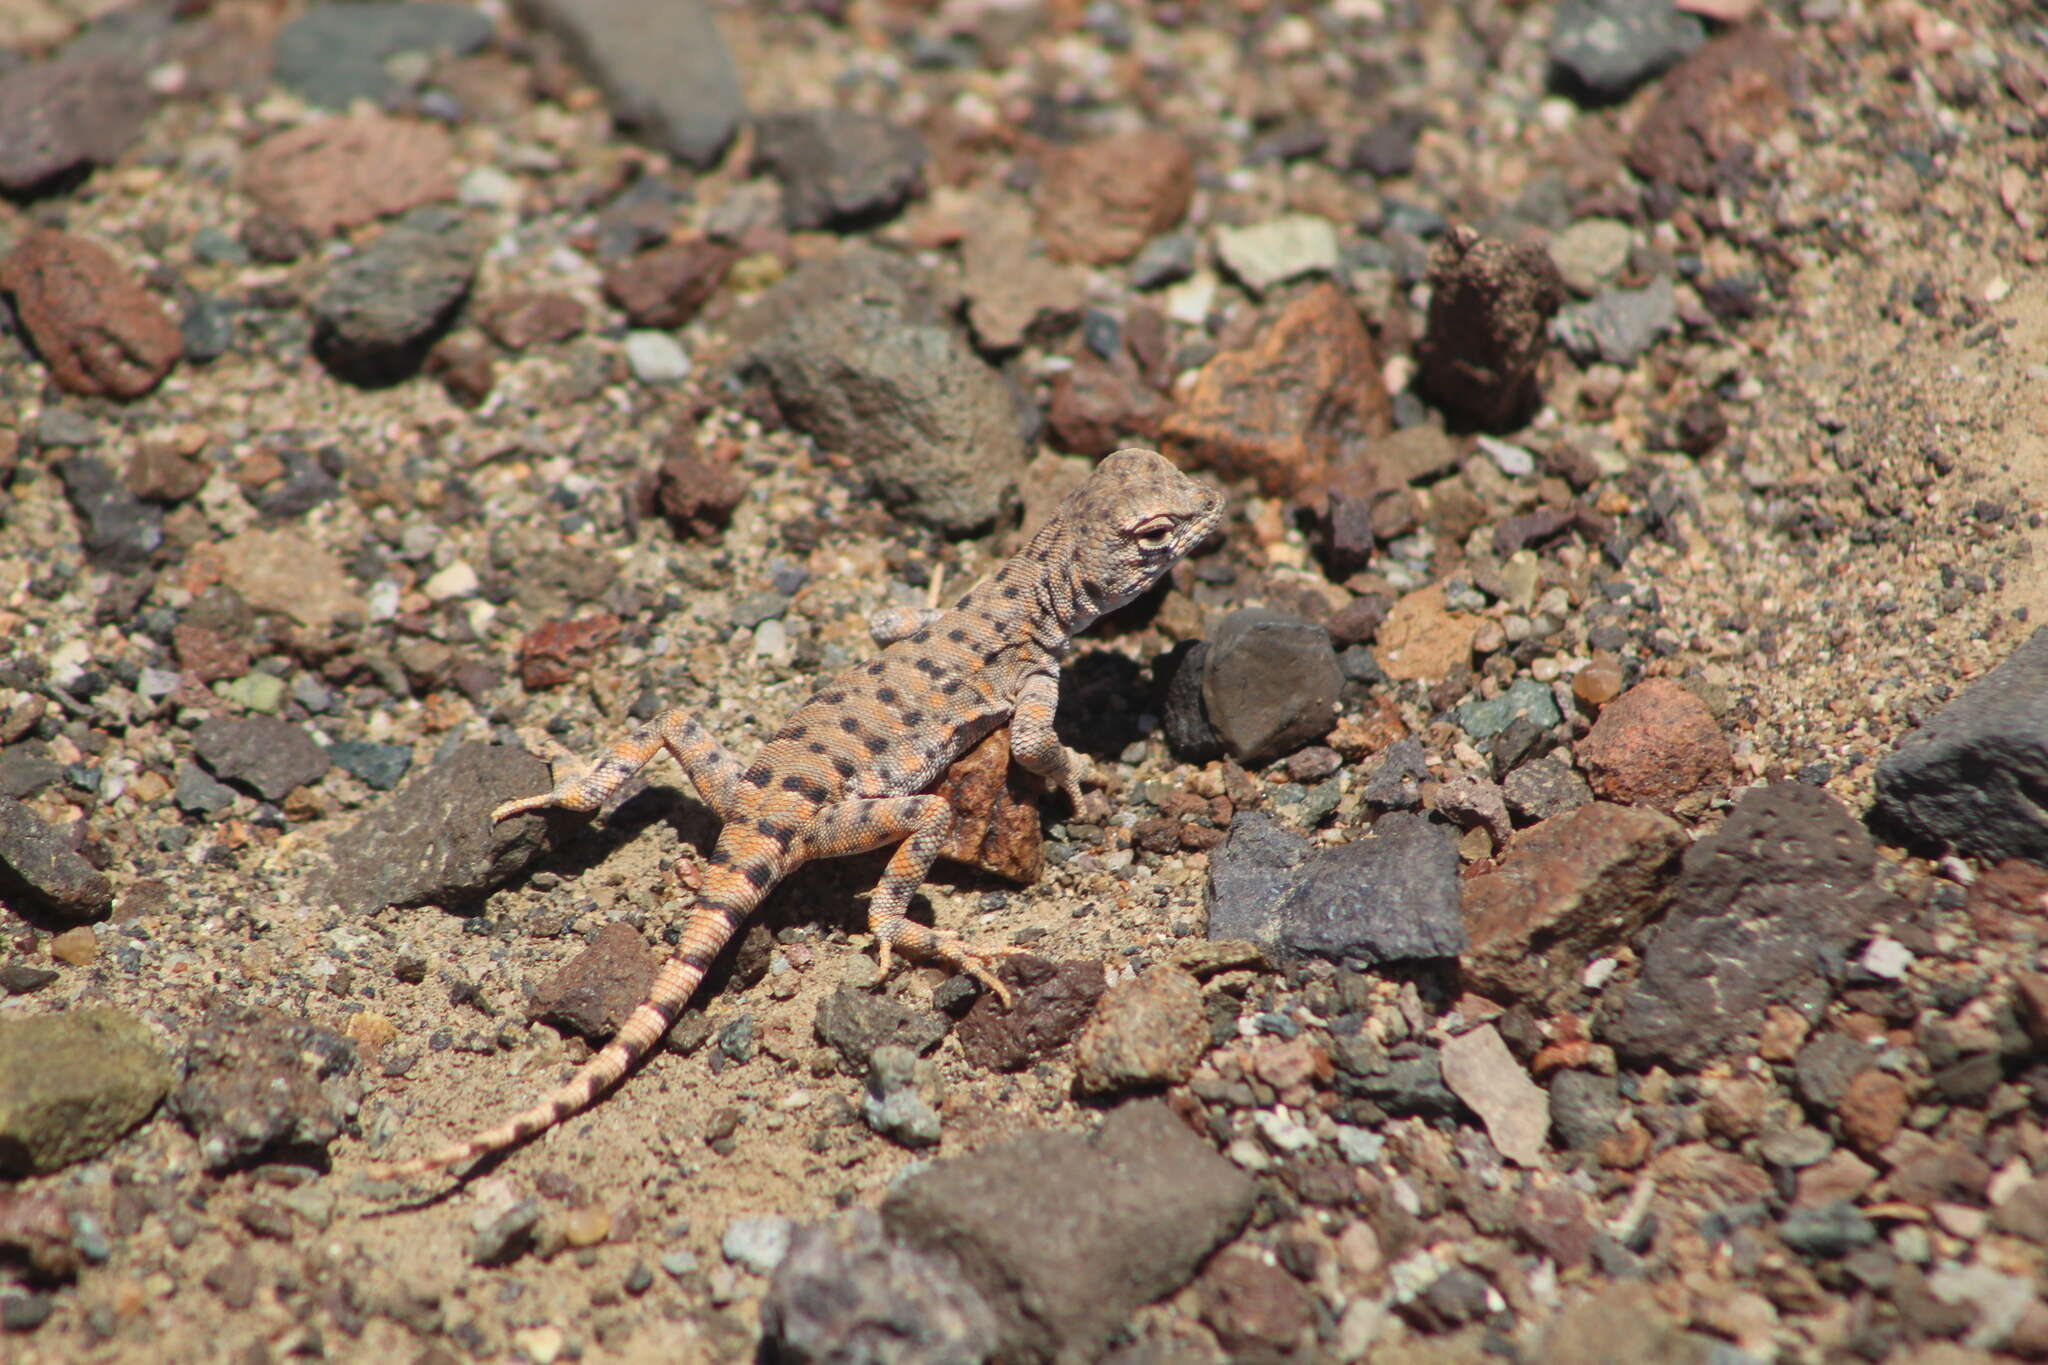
{"x":656,"y":358}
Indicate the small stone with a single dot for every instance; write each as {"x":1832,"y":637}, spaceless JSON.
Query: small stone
{"x":341,"y":173}
{"x":1618,"y":326}
{"x":555,"y":652}
{"x":76,"y":947}
{"x":1281,"y":249}
{"x":656,"y":358}
{"x":1148,"y":1031}
{"x":268,"y":756}
{"x":1254,"y":1307}
{"x":666,"y":287}
{"x":1712,"y":110}
{"x":100,"y":332}
{"x":1603,"y":49}
{"x":1164,"y":260}
{"x":1489,"y":314}
{"x":40,"y":867}
{"x":1269,"y":683}
{"x":1544,"y":789}
{"x":1479,"y":1070}
{"x":508,"y":1236}
{"x":334,"y":54}
{"x":256,"y":1081}
{"x":896,"y":1104}
{"x":1096,"y":408}
{"x":846,"y":1292}
{"x":1422,"y":641}
{"x":593,"y":993}
{"x":464,"y":366}
{"x":59,"y":116}
{"x":854,"y":1022}
{"x":1473,"y":802}
{"x":1654,"y":745}
{"x":1053,"y":1002}
{"x":71,"y":1084}
{"x":664,"y":69}
{"x":1013,"y":290}
{"x":1599,"y":682}
{"x":1102,"y":201}
{"x":758,"y":1244}
{"x":1872,"y":1108}
{"x":1829,"y":1232}
{"x":380,"y":311}
{"x":839,"y":168}
{"x":1584,"y":1108}
{"x":1590,"y":253}
{"x":527,"y":318}
{"x":995,"y":813}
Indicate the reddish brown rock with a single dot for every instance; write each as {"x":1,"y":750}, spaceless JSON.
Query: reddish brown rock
{"x":1297,"y":407}
{"x":1053,"y":1001}
{"x":1148,"y":1031}
{"x":995,"y":812}
{"x":694,"y":493}
{"x":593,"y":992}
{"x":1925,"y":1171}
{"x":1569,"y":889}
{"x":531,"y":317}
{"x":1254,"y":1308}
{"x":1101,"y":201}
{"x":100,"y":332}
{"x":1490,"y":307}
{"x":1871,"y":1109}
{"x":1653,"y":746}
{"x":2010,"y":900}
{"x":463,"y":364}
{"x":60,"y":117}
{"x":666,"y":286}
{"x":2030,"y":998}
{"x":1419,"y":640}
{"x":344,"y":172}
{"x":1723,"y":99}
{"x":1096,"y":408}
{"x":555,"y":652}
{"x":1552,"y":1219}
{"x":207,"y":655}
{"x":1840,"y":1175}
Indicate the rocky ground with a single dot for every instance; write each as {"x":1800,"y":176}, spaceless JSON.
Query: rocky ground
{"x":1563,"y":875}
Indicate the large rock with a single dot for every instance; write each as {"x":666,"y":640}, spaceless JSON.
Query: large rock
{"x":838,"y":168}
{"x":71,"y":1084}
{"x":381,"y":310}
{"x":662,"y":65}
{"x":1975,"y":778}
{"x":1490,"y":307}
{"x":860,"y":357}
{"x":1761,"y":908}
{"x":256,"y":1081}
{"x":1391,"y":897}
{"x":1269,"y":683}
{"x":333,"y":55}
{"x":58,"y":118}
{"x":1114,"y":1224}
{"x":101,"y":333}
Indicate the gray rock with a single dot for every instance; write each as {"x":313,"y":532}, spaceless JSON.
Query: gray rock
{"x":71,"y":1084}
{"x":1583,"y":1109}
{"x":838,"y":168}
{"x":662,"y":65}
{"x":1829,"y":1232}
{"x":1618,"y":325}
{"x":757,"y":1244}
{"x":262,"y":753}
{"x":1544,"y":787}
{"x":381,"y":310}
{"x":208,"y":328}
{"x":1826,"y":1066}
{"x":1760,"y":909}
{"x":855,"y":1022}
{"x":845,"y":1293}
{"x":39,"y":867}
{"x":1186,"y":721}
{"x":1388,"y":898}
{"x":66,"y":427}
{"x":25,"y":769}
{"x":895,"y":1104}
{"x":1406,"y":1081}
{"x":1269,"y":683}
{"x":256,"y":1081}
{"x":1396,"y":781}
{"x":1138,"y":1209}
{"x":1972,"y":779}
{"x":1600,"y":50}
{"x":432,"y":841}
{"x":333,"y":55}
{"x":1524,"y":697}
{"x":118,"y":530}
{"x":507,"y":1237}
{"x":1164,"y":260}
{"x":198,"y":793}
{"x":58,"y":118}
{"x":859,"y":356}
{"x":378,"y":766}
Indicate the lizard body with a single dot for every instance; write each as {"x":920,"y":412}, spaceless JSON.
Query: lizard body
{"x":851,"y":769}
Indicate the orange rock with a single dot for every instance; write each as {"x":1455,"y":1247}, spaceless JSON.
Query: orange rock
{"x":995,"y":813}
{"x":101,"y":333}
{"x":1655,"y":745}
{"x":344,"y":172}
{"x":1101,"y":201}
{"x":1421,"y":640}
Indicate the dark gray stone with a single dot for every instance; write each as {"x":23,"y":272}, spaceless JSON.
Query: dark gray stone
{"x":381,"y":310}
{"x":198,"y":793}
{"x":507,"y":1237}
{"x":1761,"y":909}
{"x":860,"y":356}
{"x":1975,"y":778}
{"x":1618,"y":325}
{"x":838,"y":168}
{"x":208,"y":327}
{"x":1269,"y":683}
{"x":1396,"y":781}
{"x":1407,"y":1082}
{"x":26,"y":768}
{"x":118,"y":530}
{"x":1583,"y":1109}
{"x":433,"y":842}
{"x":1164,"y":260}
{"x":1829,"y":1232}
{"x":845,"y":1293}
{"x":305,"y":485}
{"x":855,"y":1022}
{"x":1544,"y":787}
{"x":1524,"y":697}
{"x":662,"y":65}
{"x":71,"y":1084}
{"x":1825,"y":1067}
{"x":39,"y":868}
{"x":256,"y":1081}
{"x":1388,"y":898}
{"x":261,"y":753}
{"x":1188,"y":731}
{"x":59,"y":118}
{"x":378,"y":766}
{"x":333,"y":55}
{"x":1137,"y":1210}
{"x":1600,"y":50}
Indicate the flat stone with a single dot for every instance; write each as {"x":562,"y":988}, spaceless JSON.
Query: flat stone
{"x":1253,"y":1306}
{"x":1490,"y":306}
{"x":116,"y":529}
{"x":432,"y":841}
{"x":1618,"y":326}
{"x":40,"y":868}
{"x":1728,"y":96}
{"x":665,"y":287}
{"x":100,"y":332}
{"x":59,"y":117}
{"x":1102,"y":201}
{"x":996,"y":828}
{"x":1269,"y":683}
{"x":1544,"y":789}
{"x":1141,"y":1206}
{"x":1147,"y":1031}
{"x":1584,"y":1107}
{"x":1479,"y":1071}
{"x":1387,"y":898}
{"x":1271,"y":253}
{"x":1621,"y":1320}
{"x":593,"y":993}
{"x":268,"y":756}
{"x":524,"y":318}
{"x":256,"y":1081}
{"x":1971,"y":778}
{"x":333,"y":55}
{"x":854,"y":1022}
{"x":1603,"y":49}
{"x":71,"y":1084}
{"x":1761,"y":908}
{"x":1590,"y":253}
{"x":378,"y":766}
{"x":343,"y":172}
{"x":1421,"y":640}
{"x":902,"y":1097}
{"x":665,"y":70}
{"x":838,"y":168}
{"x":282,"y":572}
{"x":656,"y":358}
{"x":846,"y":1292}
{"x":380,"y":311}
{"x":1053,"y":1001}
{"x":1654,"y":745}
{"x":1567,"y":891}
{"x":1095,"y":408}
{"x":1486,"y":718}
{"x":1012,"y":288}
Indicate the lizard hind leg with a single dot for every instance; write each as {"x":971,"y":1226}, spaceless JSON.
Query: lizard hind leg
{"x":712,"y":768}
{"x":922,"y":823}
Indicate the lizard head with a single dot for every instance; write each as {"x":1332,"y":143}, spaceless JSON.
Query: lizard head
{"x":1134,"y":517}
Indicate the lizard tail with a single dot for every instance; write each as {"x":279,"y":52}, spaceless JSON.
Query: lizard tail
{"x":709,"y":928}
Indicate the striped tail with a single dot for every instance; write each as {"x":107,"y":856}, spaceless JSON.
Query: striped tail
{"x":711,"y":924}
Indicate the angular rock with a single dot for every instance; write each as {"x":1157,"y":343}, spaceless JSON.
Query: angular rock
{"x":1297,"y":408}
{"x":666,"y":286}
{"x":1583,"y":1109}
{"x":1489,"y":316}
{"x":1101,"y":201}
{"x":1185,"y":717}
{"x":525,"y":318}
{"x":855,"y":1022}
{"x":1396,"y":781}
{"x":1654,"y":745}
{"x":1422,"y":641}
{"x":1255,"y":1308}
{"x":257,"y":1082}
{"x":1972,"y":778}
{"x":1053,"y":1001}
{"x":995,"y":813}
{"x":1483,"y":719}
{"x":1567,"y":891}
{"x":71,"y":1084}
{"x":433,"y":842}
{"x":268,"y":756}
{"x":340,"y":173}
{"x":1012,"y":289}
{"x":846,"y":1293}
{"x":1726,"y":97}
{"x":839,"y":168}
{"x":1621,"y":1320}
{"x":1269,"y":683}
{"x":1141,"y":1206}
{"x":63,"y":116}
{"x":1544,"y":789}
{"x":333,"y":55}
{"x":696,"y":494}
{"x":555,"y":652}
{"x":664,"y":69}
{"x":1618,"y":326}
{"x":281,"y":571}
{"x":1600,"y":50}
{"x":902,"y":1097}
{"x":1387,"y":898}
{"x":859,"y":357}
{"x":1148,"y":1031}
{"x":1271,"y":253}
{"x":40,"y":868}
{"x":117,"y":530}
{"x":1470,"y":801}
{"x":1095,"y":408}
{"x":100,"y":332}
{"x":592,"y":993}
{"x":1760,"y":909}
{"x":382,"y":310}
{"x":1479,"y":1071}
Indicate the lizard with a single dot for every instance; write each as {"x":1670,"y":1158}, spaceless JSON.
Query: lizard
{"x":851,"y":770}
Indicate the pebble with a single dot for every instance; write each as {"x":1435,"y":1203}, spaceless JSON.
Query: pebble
{"x":339,"y":173}
{"x":666,"y":287}
{"x":1655,"y":745}
{"x":335,"y":54}
{"x":1481,"y":354}
{"x":77,"y":947}
{"x":845,"y":1286}
{"x":1618,"y":326}
{"x":758,"y":1244}
{"x":1101,"y":201}
{"x":1165,"y":260}
{"x":487,"y":187}
{"x":1590,"y":253}
{"x":507,"y":1236}
{"x":838,"y":168}
{"x":39,"y":864}
{"x":656,"y":358}
{"x":268,"y":756}
{"x":592,"y":993}
{"x":72,"y":1083}
{"x":1271,"y":253}
{"x":1604,"y":49}
{"x":379,"y":311}
{"x":1269,"y":684}
{"x":855,"y":1022}
{"x":96,"y":328}
{"x":586,"y":1226}
{"x":1148,"y":1031}
{"x":256,"y":1081}
{"x":1478,"y":1069}
{"x":1485,"y":718}
{"x":62,"y":115}
{"x":662,"y":65}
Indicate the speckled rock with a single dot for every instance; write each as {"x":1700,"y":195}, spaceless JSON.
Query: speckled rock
{"x":846,"y":1293}
{"x":854,"y":1022}
{"x":61,"y":116}
{"x":256,"y":1081}
{"x":334,"y":54}
{"x":266,"y":755}
{"x":40,"y":869}
{"x":1053,"y":1001}
{"x":71,"y":1084}
{"x":1148,"y":1031}
{"x":1489,"y":313}
{"x":380,"y":311}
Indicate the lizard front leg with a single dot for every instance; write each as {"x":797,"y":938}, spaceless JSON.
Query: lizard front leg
{"x":1032,"y":741}
{"x":712,"y":768}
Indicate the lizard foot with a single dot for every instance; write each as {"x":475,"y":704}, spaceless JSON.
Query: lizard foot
{"x":949,"y":948}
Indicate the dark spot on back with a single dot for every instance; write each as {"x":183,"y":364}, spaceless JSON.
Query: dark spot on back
{"x":913,"y":719}
{"x":850,"y":724}
{"x":876,"y":744}
{"x":804,"y":786}
{"x":923,"y":635}
{"x":816,"y":746}
{"x":832,"y":698}
{"x":756,"y":776}
{"x":760,"y":875}
{"x":795,"y":730}
{"x":844,"y":767}
{"x":957,"y":635}
{"x":876,"y":669}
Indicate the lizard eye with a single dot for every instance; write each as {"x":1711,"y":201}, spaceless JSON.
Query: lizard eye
{"x":1155,"y":534}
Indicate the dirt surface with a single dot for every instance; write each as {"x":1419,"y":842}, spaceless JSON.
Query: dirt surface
{"x":358,"y":537}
